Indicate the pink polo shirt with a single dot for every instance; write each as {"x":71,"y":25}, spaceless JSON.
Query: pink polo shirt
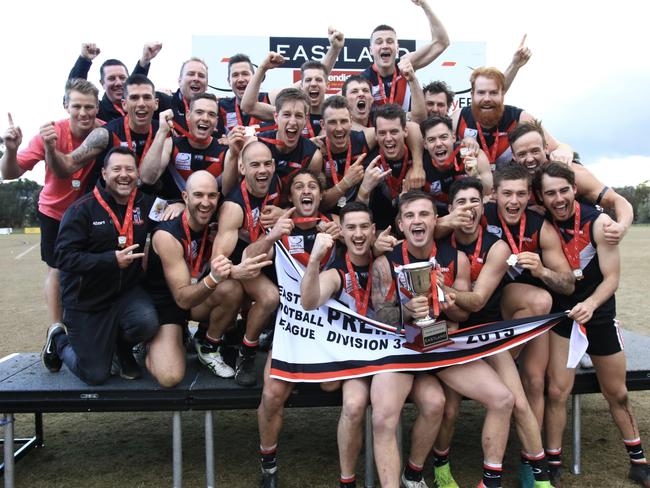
{"x":58,"y":193}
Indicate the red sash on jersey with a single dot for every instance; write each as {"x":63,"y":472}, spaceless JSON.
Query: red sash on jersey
{"x":215,"y":168}
{"x":303,"y":257}
{"x":124,"y":230}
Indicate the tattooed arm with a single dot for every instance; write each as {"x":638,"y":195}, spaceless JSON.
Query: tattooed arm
{"x":387,"y":310}
{"x":64,"y":165}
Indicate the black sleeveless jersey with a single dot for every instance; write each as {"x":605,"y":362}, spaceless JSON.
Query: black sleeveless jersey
{"x":256,"y":205}
{"x":345,"y":293}
{"x":402,"y":90}
{"x":288,"y":163}
{"x":467,"y":127}
{"x":383,"y":200}
{"x":491,"y":312}
{"x":300,"y":243}
{"x":185,"y":160}
{"x":155,"y":283}
{"x":534,"y":222}
{"x":589,"y":264}
{"x":231,"y":114}
{"x":439,"y":180}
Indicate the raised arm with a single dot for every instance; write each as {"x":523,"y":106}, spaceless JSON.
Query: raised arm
{"x":157,"y":157}
{"x":316,"y":287}
{"x":418,"y":105}
{"x":249,"y":102}
{"x":439,"y":39}
{"x":352,"y":177}
{"x":264,"y":244}
{"x":519,"y":59}
{"x":64,"y":165}
{"x":416,"y":176}
{"x":89,"y":51}
{"x":13,"y":137}
{"x":337,"y":40}
{"x":149,"y":51}
{"x":559,"y":151}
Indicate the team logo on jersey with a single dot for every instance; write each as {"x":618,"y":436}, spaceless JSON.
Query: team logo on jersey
{"x":255,"y":213}
{"x":470,"y":133}
{"x":137,"y":216}
{"x":231,"y":119}
{"x":495,"y":229}
{"x":436,"y":187}
{"x":296,"y":244}
{"x":183,"y":161}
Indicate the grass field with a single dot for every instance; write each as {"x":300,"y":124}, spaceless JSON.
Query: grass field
{"x":134,"y":449}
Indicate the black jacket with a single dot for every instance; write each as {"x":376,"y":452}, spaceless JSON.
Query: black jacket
{"x":85,"y":249}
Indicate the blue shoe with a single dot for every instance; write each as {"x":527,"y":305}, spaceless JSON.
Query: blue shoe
{"x":526,"y":477}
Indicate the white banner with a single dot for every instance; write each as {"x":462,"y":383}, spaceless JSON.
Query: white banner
{"x":334,"y":342}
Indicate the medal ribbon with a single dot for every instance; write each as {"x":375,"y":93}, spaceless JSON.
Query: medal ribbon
{"x":253,"y":230}
{"x":125,"y":229}
{"x":118,"y":107}
{"x":332,"y":164}
{"x":394,"y":183}
{"x":506,"y":231}
{"x":433,"y":278}
{"x":570,"y":248}
{"x":129,"y":140}
{"x":449,"y":160}
{"x":382,"y":90}
{"x":77,"y":174}
{"x":362,"y":305}
{"x":490,"y":152}
{"x":185,"y":133}
{"x":195,"y":266}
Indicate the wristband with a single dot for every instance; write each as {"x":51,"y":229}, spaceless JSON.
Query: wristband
{"x":205,"y":283}
{"x":216,"y":281}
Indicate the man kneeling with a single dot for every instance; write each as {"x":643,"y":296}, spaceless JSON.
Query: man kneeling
{"x":182,"y":290}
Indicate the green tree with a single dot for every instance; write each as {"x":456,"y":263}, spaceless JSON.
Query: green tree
{"x":18,"y":203}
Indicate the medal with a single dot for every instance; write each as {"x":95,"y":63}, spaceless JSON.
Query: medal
{"x":76,"y":176}
{"x":571,"y":249}
{"x":193,"y":265}
{"x":124,"y":230}
{"x":76,"y":184}
{"x":512,"y":260}
{"x":194,"y":280}
{"x":342,"y":201}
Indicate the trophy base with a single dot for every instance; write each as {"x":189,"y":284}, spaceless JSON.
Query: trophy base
{"x":428,"y":336}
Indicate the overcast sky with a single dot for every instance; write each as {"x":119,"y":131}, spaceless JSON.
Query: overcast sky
{"x":588,"y":78}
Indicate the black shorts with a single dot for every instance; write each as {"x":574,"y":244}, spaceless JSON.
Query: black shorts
{"x":49,"y":231}
{"x":602,"y":333}
{"x":168,"y":311}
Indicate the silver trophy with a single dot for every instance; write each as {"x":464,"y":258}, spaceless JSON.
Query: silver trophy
{"x":426,"y":333}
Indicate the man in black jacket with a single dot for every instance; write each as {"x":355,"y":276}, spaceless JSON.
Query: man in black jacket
{"x":105,"y":309}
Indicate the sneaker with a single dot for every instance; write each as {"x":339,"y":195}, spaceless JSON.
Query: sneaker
{"x":209,"y":355}
{"x":269,"y":478}
{"x":555,"y":473}
{"x":444,"y":478}
{"x":640,"y":473}
{"x":140,"y":353}
{"x":543,"y":484}
{"x":404,"y":483}
{"x":526,"y":476}
{"x":128,"y":367}
{"x":245,"y":374}
{"x":49,"y":357}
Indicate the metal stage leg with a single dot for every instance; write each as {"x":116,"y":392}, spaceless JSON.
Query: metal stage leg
{"x":177,"y":448}
{"x":370,"y":458}
{"x":209,"y":449}
{"x":575,"y":427}
{"x":8,"y":424}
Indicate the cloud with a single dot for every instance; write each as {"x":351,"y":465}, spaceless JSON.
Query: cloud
{"x":626,"y":171}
